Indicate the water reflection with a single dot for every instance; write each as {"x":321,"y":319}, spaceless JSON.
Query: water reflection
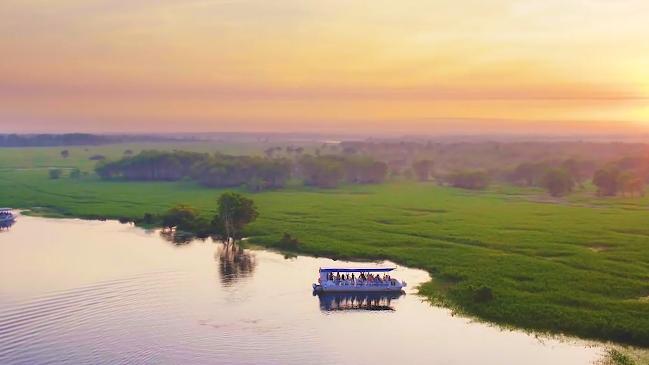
{"x":178,"y":238}
{"x":357,"y":301}
{"x":234,"y":263}
{"x":5,"y":225}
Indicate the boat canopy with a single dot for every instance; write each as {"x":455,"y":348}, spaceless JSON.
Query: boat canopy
{"x":362,"y":269}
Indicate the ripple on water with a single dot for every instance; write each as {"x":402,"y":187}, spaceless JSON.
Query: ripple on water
{"x":29,"y":328}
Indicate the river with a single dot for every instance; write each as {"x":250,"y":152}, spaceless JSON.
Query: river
{"x":91,"y":292}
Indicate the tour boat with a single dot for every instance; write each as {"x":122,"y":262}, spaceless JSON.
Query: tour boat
{"x":6,"y":215}
{"x":344,"y":280}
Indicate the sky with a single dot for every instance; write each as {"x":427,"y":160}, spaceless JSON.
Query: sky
{"x":380,"y":66}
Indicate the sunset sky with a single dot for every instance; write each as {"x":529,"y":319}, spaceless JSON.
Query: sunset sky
{"x":427,"y":66}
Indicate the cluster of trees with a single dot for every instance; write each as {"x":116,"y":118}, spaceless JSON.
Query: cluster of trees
{"x":474,"y":180}
{"x":624,"y":176}
{"x":330,"y":170}
{"x":256,"y":173}
{"x":540,"y":173}
{"x":557,"y":177}
{"x":234,"y":212}
{"x":462,"y":153}
{"x":611,"y":181}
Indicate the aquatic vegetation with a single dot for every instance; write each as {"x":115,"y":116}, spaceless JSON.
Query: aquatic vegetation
{"x":537,"y":258}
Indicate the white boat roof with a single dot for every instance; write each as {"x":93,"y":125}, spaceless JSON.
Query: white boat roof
{"x":360,"y":269}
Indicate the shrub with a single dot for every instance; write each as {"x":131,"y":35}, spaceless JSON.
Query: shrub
{"x":289,"y":242}
{"x":182,"y":217}
{"x":55,"y":174}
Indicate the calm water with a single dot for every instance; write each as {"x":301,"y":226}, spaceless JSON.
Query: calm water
{"x":86,"y":292}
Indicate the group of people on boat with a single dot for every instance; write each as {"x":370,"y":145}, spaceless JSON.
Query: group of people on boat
{"x":6,"y":215}
{"x":361,"y":279}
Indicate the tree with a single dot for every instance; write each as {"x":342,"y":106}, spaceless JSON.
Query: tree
{"x":607,"y":181}
{"x":181,"y":217}
{"x":234,"y":213}
{"x":322,"y":171}
{"x":630,"y":184}
{"x":55,"y":174}
{"x":622,"y":182}
{"x":636,"y":185}
{"x":65,"y":153}
{"x":579,"y":170}
{"x":529,"y":173}
{"x":422,"y":169}
{"x":557,"y":181}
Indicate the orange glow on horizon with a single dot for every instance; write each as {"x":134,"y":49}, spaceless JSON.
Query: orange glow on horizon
{"x":288,"y":65}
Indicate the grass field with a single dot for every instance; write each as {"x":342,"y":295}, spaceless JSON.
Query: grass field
{"x":578,"y":265}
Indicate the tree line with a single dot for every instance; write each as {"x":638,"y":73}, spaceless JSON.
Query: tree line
{"x":557,"y":166}
{"x":76,"y":139}
{"x":623,"y":176}
{"x":626,"y":176}
{"x":254,"y":172}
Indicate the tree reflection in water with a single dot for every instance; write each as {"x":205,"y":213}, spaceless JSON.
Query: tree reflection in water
{"x":234,"y":263}
{"x":178,"y":238}
{"x":357,"y":301}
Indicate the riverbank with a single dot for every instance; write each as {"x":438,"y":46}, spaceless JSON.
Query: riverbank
{"x":577,"y":266}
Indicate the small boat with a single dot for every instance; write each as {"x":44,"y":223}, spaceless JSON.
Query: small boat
{"x":6,"y":215}
{"x":363,"y":280}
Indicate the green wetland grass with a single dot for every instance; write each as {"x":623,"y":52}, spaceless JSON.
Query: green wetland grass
{"x":578,"y":266}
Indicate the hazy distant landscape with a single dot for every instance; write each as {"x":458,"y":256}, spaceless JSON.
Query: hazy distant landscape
{"x":528,"y":223}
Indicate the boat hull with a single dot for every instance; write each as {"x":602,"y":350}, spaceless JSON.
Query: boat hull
{"x":357,"y":288}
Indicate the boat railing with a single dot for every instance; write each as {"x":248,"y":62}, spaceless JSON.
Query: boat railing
{"x":364,"y":283}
